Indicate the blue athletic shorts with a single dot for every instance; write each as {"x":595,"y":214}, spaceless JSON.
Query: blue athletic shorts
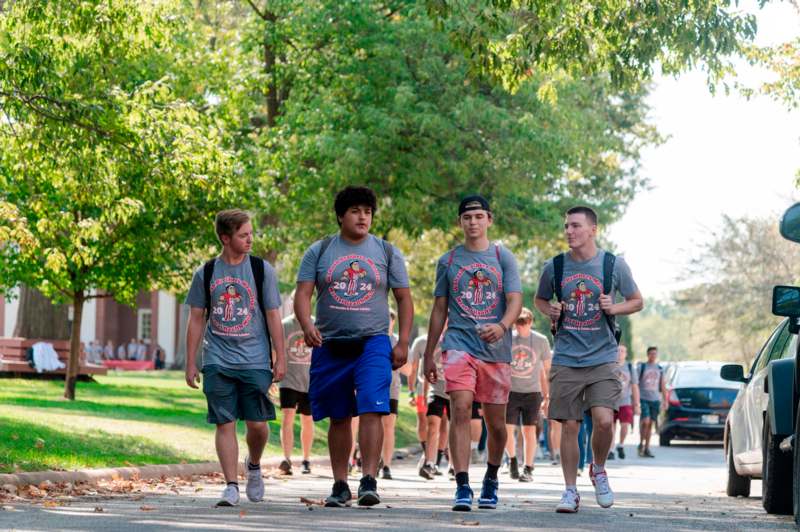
{"x":649,"y":409}
{"x":344,"y":385}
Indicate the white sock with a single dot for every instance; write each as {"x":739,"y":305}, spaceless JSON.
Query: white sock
{"x":598,"y":468}
{"x":473,"y":445}
{"x":573,"y":488}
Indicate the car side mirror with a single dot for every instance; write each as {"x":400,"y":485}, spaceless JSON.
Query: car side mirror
{"x":786,"y":301}
{"x":790,"y":223}
{"x":732,"y":372}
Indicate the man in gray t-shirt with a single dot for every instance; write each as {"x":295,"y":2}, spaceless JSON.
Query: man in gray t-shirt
{"x":530,"y":363}
{"x":583,"y":376}
{"x":353,"y":358}
{"x":294,"y":397}
{"x":628,"y":404}
{"x":239,"y":318}
{"x":651,"y":389}
{"x":478,"y":291}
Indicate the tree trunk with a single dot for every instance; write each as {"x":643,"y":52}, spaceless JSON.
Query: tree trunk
{"x":38,"y":318}
{"x":73,"y":365}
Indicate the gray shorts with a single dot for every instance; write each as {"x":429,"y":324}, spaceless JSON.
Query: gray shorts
{"x":575,"y":390}
{"x":234,"y":394}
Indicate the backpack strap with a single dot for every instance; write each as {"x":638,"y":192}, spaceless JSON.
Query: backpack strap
{"x":608,"y":281}
{"x":322,"y":247}
{"x":641,"y":371}
{"x":451,"y":257}
{"x":208,"y":271}
{"x":389,"y":250}
{"x":497,"y":251}
{"x":558,"y":276}
{"x":257,"y":265}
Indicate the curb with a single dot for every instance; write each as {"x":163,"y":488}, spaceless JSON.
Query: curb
{"x":142,"y":472}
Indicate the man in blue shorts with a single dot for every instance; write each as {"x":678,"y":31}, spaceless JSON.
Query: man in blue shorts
{"x":353,"y":359}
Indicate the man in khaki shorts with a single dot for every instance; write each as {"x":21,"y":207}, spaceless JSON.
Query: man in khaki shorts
{"x":583,"y":376}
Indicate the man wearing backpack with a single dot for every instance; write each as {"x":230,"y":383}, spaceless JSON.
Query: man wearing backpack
{"x":653,"y":390}
{"x":237,"y":295}
{"x":584,"y":282}
{"x":353,"y":359}
{"x":628,"y":404}
{"x":478,"y":292}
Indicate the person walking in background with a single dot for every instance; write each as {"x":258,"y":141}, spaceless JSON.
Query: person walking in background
{"x":108,"y":350}
{"x":652,"y":390}
{"x":530,"y":365}
{"x":237,"y":370}
{"x":294,"y":397}
{"x":629,"y":399}
{"x":390,"y":421}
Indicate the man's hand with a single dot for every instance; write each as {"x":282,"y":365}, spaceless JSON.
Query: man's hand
{"x":279,"y":369}
{"x":492,"y":332}
{"x":399,"y":355}
{"x":555,"y":310}
{"x":192,"y":376}
{"x":430,"y":370}
{"x":412,"y":400}
{"x":312,"y":336}
{"x":637,"y":410}
{"x":607,"y":304}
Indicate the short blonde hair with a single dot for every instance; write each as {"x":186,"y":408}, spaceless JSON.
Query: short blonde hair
{"x":229,"y":221}
{"x":525,"y":316}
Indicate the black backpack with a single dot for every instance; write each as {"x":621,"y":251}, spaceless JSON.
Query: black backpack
{"x":608,"y":278}
{"x":257,"y":265}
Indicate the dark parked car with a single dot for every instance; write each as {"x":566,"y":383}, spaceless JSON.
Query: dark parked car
{"x":698,"y":401}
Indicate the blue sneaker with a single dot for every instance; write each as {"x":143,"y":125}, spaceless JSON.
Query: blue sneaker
{"x":488,"y":498}
{"x":463,"y":499}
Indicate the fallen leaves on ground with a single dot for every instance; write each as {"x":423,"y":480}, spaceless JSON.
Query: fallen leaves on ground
{"x":98,"y":509}
{"x":464,"y":522}
{"x":146,"y":508}
{"x":312,"y":502}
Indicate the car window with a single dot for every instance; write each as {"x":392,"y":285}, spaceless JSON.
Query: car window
{"x":790,"y":349}
{"x":763,"y":358}
{"x":781,"y":344}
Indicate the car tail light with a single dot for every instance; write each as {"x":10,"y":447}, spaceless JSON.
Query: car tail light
{"x":681,"y":419}
{"x":673,"y":398}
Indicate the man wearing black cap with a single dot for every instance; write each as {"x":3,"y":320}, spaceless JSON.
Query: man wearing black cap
{"x":478,"y":289}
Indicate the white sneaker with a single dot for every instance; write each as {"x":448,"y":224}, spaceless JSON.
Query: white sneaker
{"x":602,"y":491}
{"x":255,"y":482}
{"x":230,"y":496}
{"x":570,"y":502}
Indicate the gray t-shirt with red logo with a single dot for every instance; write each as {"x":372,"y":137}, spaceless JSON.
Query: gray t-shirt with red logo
{"x":528,"y":356}
{"x":236,"y":335}
{"x":298,"y":357}
{"x":475,"y":284}
{"x":628,"y":378}
{"x":585,"y":338}
{"x":353,"y":282}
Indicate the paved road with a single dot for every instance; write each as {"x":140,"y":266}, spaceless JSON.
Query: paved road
{"x":681,"y":489}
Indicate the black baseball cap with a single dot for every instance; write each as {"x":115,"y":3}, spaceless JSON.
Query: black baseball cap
{"x":473,"y":203}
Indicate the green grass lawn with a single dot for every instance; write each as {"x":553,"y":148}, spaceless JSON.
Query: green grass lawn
{"x":125,"y":418}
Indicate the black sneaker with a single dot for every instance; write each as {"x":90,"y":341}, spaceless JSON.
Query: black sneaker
{"x":451,"y":474}
{"x":427,"y":472}
{"x":611,"y":456}
{"x":340,"y":495}
{"x":368,"y":491}
{"x":640,"y":450}
{"x":647,"y":454}
{"x":386,"y":473}
{"x":285,"y":467}
{"x":527,"y":474}
{"x":437,"y":471}
{"x":513,"y":468}
{"x":621,"y":452}
{"x":306,"y":467}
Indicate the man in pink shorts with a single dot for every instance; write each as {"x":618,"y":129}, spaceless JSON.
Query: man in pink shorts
{"x":476,"y":350}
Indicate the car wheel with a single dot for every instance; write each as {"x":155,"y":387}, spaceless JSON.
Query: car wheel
{"x":664,"y":440}
{"x":776,"y":483}
{"x":738,"y":485}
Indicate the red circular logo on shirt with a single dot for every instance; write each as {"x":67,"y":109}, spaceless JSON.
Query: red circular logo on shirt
{"x":477,"y":288}
{"x":297,"y":350}
{"x":352,"y":280}
{"x":232,"y":310}
{"x":583,"y":300}
{"x":523,"y":360}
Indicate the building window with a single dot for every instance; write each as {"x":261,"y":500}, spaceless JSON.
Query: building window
{"x":144,"y":324}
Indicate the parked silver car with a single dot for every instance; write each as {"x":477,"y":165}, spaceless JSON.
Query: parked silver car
{"x":749,"y":441}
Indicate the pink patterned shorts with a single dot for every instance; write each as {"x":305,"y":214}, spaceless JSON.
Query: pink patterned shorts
{"x":489,"y":381}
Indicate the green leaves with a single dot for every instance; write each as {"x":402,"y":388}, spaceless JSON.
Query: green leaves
{"x":109,"y":168}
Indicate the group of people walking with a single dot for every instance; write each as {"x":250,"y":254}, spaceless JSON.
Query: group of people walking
{"x":466,"y":359}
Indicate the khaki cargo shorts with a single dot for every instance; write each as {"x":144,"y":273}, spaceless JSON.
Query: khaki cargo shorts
{"x":575,"y":390}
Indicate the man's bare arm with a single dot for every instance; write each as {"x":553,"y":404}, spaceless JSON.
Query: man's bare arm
{"x":302,"y":311}
{"x":276,"y":333}
{"x":435,"y":328}
{"x":194,"y":333}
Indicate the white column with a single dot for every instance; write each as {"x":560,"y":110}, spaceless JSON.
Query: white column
{"x":167,"y":306}
{"x":12,"y":306}
{"x":89,"y":320}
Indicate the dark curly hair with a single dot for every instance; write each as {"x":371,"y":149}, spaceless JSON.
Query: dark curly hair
{"x":352,"y":197}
